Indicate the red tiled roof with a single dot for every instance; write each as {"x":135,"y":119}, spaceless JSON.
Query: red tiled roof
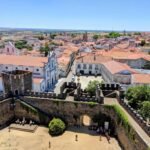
{"x":92,"y":58}
{"x":141,"y":78}
{"x":116,"y":67}
{"x":23,"y":60}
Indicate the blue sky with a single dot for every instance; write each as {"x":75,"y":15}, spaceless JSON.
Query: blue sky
{"x":76,"y":14}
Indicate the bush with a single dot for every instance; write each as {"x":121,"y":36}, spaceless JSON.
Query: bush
{"x":56,"y":126}
{"x":91,"y":88}
{"x":145,"y":109}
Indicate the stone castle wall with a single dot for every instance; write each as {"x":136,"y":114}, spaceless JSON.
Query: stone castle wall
{"x":6,"y":112}
{"x":70,"y":111}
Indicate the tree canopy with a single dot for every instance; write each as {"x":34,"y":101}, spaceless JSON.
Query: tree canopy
{"x":22,"y":44}
{"x":137,"y":33}
{"x":56,"y":126}
{"x":139,"y":98}
{"x":96,"y":37}
{"x":136,"y":95}
{"x":91,"y":88}
{"x":44,"y":50}
{"x":145,"y":109}
{"x":52,"y":36}
{"x":147,"y":65}
{"x":41,"y":37}
{"x":143,"y":43}
{"x":113,"y":35}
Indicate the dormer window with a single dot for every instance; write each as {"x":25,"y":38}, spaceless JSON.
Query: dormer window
{"x":27,"y":69}
{"x":6,"y":67}
{"x":37,"y":70}
{"x":16,"y":68}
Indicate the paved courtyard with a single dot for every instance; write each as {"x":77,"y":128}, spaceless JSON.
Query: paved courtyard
{"x":84,"y":80}
{"x":18,"y":140}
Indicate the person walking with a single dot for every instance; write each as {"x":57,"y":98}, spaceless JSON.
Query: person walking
{"x":76,"y":137}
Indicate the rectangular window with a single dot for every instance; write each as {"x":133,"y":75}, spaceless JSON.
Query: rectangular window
{"x":90,"y":66}
{"x":96,"y":67}
{"x":84,"y":66}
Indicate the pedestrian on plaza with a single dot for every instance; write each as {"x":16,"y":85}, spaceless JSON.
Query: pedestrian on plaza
{"x":76,"y":137}
{"x":100,"y":138}
{"x":49,"y":144}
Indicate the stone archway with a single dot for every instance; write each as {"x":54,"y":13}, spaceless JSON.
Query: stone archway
{"x":85,"y":120}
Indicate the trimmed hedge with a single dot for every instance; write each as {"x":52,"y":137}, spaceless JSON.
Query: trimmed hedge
{"x":56,"y":127}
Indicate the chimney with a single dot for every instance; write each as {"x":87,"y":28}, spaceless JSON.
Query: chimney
{"x":94,"y":57}
{"x":82,"y":59}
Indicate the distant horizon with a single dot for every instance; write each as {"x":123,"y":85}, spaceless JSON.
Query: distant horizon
{"x":69,"y":30}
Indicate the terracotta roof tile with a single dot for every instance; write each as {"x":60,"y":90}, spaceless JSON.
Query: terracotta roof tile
{"x":23,"y":60}
{"x":141,"y":78}
{"x":92,"y":58}
{"x":116,"y":67}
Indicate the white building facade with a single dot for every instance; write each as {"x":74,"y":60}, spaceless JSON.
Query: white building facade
{"x":44,"y":69}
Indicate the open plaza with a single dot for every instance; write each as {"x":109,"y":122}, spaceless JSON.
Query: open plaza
{"x":41,"y":140}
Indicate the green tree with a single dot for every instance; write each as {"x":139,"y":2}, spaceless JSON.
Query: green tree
{"x":21,"y":44}
{"x":41,"y":37}
{"x":136,"y":95}
{"x":73,"y":35}
{"x":91,"y":88}
{"x":143,"y":42}
{"x":44,"y":50}
{"x":56,"y":126}
{"x":137,"y":33}
{"x":147,"y":65}
{"x":52,"y":36}
{"x":95,"y":37}
{"x":114,"y":35}
{"x":145,"y":109}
